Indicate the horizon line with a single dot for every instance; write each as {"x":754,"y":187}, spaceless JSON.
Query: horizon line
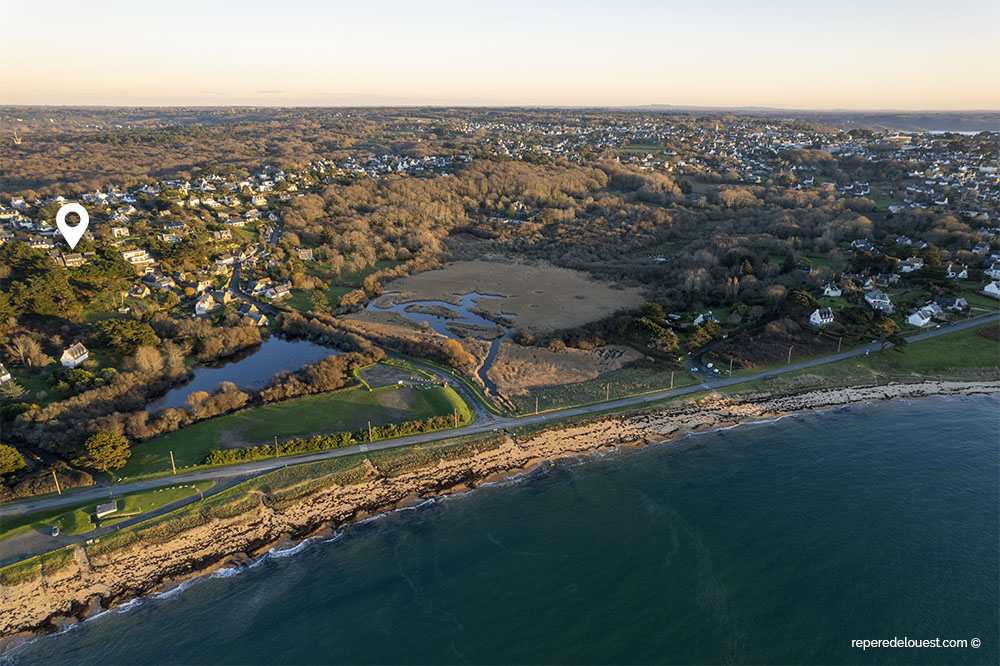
{"x":633,"y":107}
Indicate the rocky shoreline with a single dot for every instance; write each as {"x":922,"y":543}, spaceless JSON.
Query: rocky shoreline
{"x":85,"y":586}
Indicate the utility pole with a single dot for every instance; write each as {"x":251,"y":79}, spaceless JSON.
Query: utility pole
{"x":730,"y":366}
{"x":455,"y":414}
{"x":275,"y":446}
{"x":536,"y":404}
{"x":839,"y":340}
{"x":789,"y":354}
{"x":607,"y":391}
{"x":370,"y":432}
{"x":56,"y":479}
{"x":172,"y":465}
{"x":671,"y":379}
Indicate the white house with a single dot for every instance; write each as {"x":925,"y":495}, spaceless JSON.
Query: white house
{"x":921,"y":317}
{"x":879,"y":300}
{"x":957,"y":271}
{"x":74,"y":356}
{"x":119,"y":232}
{"x":994,"y":270}
{"x":204,"y":304}
{"x":4,"y":374}
{"x":830,"y":289}
{"x":136,"y":256}
{"x":260,"y":285}
{"x":278,"y":292}
{"x":910,"y":265}
{"x":705,"y":317}
{"x":821,"y":317}
{"x":992,"y":289}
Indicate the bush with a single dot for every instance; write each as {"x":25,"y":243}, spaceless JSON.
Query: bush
{"x":106,"y":451}
{"x":11,"y":459}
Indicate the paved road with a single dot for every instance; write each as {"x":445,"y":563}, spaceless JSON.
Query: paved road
{"x":234,"y":286}
{"x":29,"y":544}
{"x":479,"y":426}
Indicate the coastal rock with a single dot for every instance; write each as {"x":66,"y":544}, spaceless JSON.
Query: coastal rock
{"x":41,"y":605}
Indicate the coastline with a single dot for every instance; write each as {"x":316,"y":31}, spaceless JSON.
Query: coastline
{"x":86,"y":586}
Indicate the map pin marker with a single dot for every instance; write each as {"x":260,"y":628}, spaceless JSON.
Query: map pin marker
{"x":72,"y":234}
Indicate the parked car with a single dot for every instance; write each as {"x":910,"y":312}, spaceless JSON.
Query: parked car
{"x":55,"y":530}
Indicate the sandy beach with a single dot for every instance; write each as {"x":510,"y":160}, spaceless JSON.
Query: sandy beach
{"x":86,"y":585}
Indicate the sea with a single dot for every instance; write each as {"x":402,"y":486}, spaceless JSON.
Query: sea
{"x":782,"y":542}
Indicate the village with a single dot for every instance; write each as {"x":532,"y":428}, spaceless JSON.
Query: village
{"x":226,"y":227}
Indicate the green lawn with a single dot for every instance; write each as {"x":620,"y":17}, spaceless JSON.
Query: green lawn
{"x":249,"y":234}
{"x":962,"y":354}
{"x":78,"y":519}
{"x":34,"y":383}
{"x":621,"y":384}
{"x":973,"y":294}
{"x":339,"y":411}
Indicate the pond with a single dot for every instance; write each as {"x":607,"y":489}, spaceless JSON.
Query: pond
{"x":423,"y":312}
{"x":252,"y":368}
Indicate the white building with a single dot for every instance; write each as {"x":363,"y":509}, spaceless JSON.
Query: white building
{"x":957,"y":271}
{"x":74,"y":356}
{"x":921,"y":317}
{"x":821,"y":317}
{"x":879,"y":300}
{"x":205,"y":304}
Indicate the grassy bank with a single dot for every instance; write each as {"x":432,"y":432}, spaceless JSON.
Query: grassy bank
{"x":78,"y":519}
{"x":339,"y":411}
{"x":621,"y":384}
{"x":281,"y":487}
{"x":965,"y":355}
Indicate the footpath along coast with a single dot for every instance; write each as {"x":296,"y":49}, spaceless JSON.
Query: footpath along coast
{"x":90,"y":581}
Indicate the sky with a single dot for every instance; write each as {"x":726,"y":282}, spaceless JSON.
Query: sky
{"x":877,"y":54}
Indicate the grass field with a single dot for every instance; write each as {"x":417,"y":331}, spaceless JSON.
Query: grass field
{"x":965,"y":354}
{"x":78,"y":519}
{"x":299,"y":300}
{"x":339,"y":411}
{"x":346,"y":282}
{"x":620,"y":384}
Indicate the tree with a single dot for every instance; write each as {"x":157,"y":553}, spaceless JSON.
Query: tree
{"x":11,"y":391}
{"x":652,"y":311}
{"x":11,"y":459}
{"x":148,"y":360}
{"x":885,"y":328}
{"x":26,"y":350}
{"x":699,"y":338}
{"x":898,"y":343}
{"x":106,"y":451}
{"x":125,"y":335}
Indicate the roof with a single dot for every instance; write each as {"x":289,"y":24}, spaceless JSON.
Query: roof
{"x":76,"y":351}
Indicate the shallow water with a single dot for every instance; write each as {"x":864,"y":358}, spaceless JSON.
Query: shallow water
{"x":250,"y":369}
{"x":770,"y":543}
{"x":465,"y":314}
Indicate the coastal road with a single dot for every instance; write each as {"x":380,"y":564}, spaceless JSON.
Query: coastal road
{"x":481,"y":425}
